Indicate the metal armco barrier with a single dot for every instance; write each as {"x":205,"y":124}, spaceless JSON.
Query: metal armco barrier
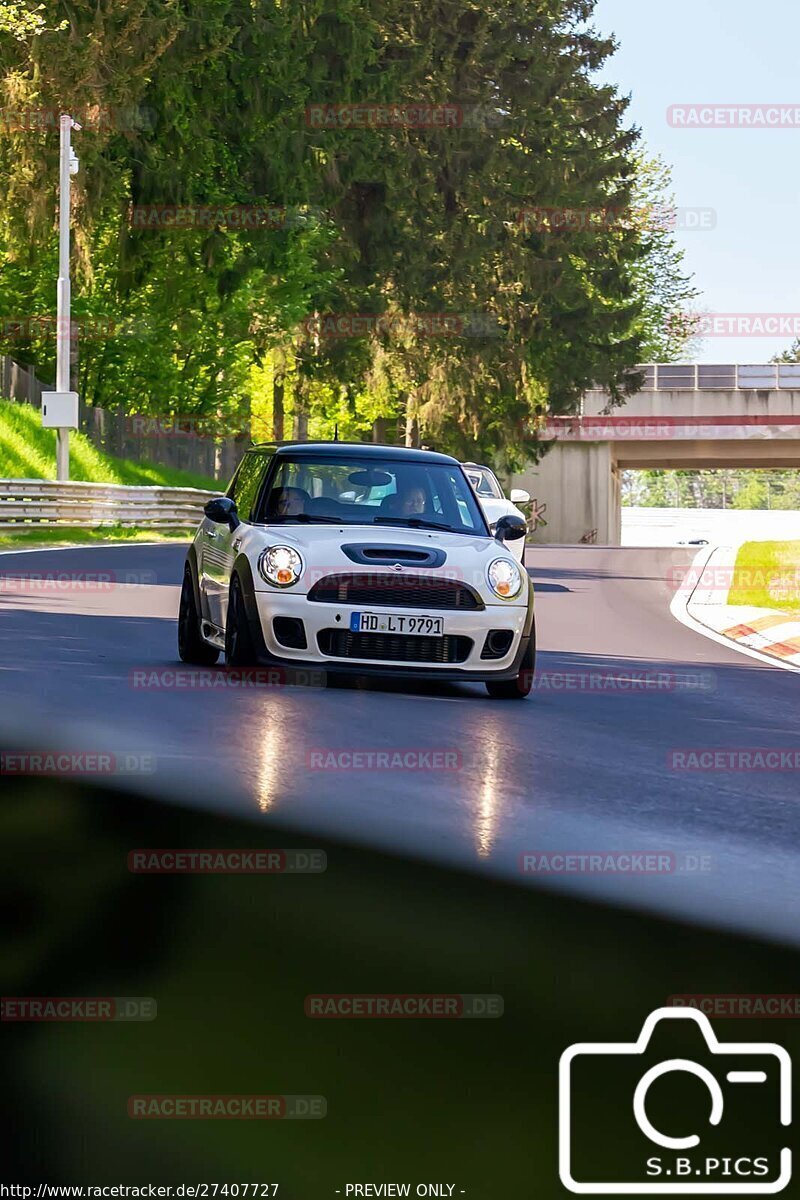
{"x":32,"y":503}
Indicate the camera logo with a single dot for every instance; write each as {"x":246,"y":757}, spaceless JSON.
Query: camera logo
{"x":628,"y":1114}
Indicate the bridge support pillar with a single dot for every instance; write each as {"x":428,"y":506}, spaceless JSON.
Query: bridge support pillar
{"x":579,"y":483}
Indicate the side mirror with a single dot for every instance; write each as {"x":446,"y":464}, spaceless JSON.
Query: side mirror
{"x":510,"y":528}
{"x":222,"y":511}
{"x":520,"y":496}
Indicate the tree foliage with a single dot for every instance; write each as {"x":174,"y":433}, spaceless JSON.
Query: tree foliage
{"x":485,"y":309}
{"x":744,"y":489}
{"x":792,"y":355}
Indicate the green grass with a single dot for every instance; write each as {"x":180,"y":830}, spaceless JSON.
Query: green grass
{"x":767,"y":575}
{"x":63,"y":535}
{"x":29,"y":452}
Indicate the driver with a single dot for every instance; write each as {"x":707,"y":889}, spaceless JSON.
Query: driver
{"x":287,"y":502}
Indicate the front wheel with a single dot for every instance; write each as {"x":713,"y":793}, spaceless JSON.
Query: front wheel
{"x":191,"y":647}
{"x":519,"y":687}
{"x":239,"y":649}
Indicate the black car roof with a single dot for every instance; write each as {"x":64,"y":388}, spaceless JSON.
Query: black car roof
{"x":350,"y":449}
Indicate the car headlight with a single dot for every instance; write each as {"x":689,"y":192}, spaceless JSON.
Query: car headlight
{"x":505,"y":578}
{"x":281,"y":566}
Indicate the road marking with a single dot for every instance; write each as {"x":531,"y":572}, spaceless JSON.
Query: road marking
{"x":89,"y":546}
{"x":680,"y":611}
{"x":756,"y":626}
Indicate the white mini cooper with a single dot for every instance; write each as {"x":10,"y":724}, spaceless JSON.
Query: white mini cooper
{"x":360,"y":558}
{"x":493,"y":501}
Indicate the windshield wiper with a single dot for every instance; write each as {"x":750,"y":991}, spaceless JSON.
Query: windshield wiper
{"x":307,"y":519}
{"x":414,"y":523}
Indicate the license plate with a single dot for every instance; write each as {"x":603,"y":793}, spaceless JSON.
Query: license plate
{"x":367,"y":622}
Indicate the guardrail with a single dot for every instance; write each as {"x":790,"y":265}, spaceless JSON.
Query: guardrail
{"x":34,"y":503}
{"x":698,"y":377}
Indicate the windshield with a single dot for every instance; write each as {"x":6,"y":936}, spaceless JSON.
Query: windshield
{"x":484,"y":482}
{"x":369,"y":491}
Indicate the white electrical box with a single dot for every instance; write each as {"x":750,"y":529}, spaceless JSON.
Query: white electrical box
{"x":60,"y":410}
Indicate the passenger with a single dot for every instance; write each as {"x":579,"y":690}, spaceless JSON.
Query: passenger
{"x":412,"y":502}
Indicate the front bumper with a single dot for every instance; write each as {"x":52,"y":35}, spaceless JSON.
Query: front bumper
{"x":317,"y":617}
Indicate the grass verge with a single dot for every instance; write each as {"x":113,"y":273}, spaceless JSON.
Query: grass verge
{"x":27,"y":451}
{"x":62,"y":535}
{"x":767,"y":575}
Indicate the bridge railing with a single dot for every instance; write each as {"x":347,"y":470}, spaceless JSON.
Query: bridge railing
{"x":698,"y":377}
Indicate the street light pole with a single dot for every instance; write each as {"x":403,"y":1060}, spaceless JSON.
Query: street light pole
{"x":68,"y":165}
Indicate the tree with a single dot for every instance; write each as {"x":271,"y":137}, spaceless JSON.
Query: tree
{"x":792,"y":355}
{"x":177,"y":315}
{"x":484,"y":318}
{"x":667,"y":324}
{"x":442,"y":226}
{"x":22,"y":21}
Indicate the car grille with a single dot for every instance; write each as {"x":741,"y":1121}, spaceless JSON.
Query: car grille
{"x":391,"y":591}
{"x":393,"y":647}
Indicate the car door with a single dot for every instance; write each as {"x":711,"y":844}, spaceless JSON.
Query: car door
{"x":222,"y":543}
{"x":208,"y":560}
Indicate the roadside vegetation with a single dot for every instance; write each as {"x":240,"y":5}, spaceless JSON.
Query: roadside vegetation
{"x":745,"y":489}
{"x":27,"y":451}
{"x":63,"y":535}
{"x":250,"y":252}
{"x":767,"y":575}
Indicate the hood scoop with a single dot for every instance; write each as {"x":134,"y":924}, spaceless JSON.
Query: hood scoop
{"x":375,"y":554}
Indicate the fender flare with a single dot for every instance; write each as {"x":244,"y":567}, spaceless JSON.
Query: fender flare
{"x":243,"y":569}
{"x":191,"y":563}
{"x":529,"y":616}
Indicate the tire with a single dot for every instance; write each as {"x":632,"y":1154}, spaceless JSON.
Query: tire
{"x":239,"y":649}
{"x":519,"y":688}
{"x":191,"y":647}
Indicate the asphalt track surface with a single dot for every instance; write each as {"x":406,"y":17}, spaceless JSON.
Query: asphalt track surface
{"x":584,"y":766}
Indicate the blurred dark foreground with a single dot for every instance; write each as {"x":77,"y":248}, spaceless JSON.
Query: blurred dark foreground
{"x":230,"y":961}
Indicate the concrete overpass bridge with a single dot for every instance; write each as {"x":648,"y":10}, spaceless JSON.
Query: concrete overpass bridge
{"x":686,"y":416}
